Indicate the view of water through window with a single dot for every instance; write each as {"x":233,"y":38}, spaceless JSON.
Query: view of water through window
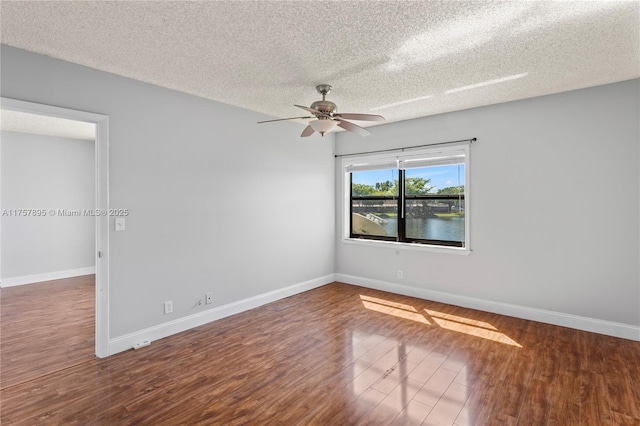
{"x":448,"y":229}
{"x":434,"y":204}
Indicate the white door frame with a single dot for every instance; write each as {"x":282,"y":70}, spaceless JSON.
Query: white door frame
{"x":101,"y":203}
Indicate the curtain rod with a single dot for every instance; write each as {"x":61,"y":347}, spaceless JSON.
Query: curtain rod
{"x":408,"y":147}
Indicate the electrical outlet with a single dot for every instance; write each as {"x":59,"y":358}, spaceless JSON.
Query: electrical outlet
{"x":209,"y":298}
{"x":168,"y":307}
{"x":400,"y":274}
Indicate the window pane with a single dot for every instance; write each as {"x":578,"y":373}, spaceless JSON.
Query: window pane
{"x":447,"y":179}
{"x":436,"y":226}
{"x":435,"y":218}
{"x":374,"y":217}
{"x":375,"y":182}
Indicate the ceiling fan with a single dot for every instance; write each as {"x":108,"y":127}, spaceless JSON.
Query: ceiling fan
{"x":327,"y":117}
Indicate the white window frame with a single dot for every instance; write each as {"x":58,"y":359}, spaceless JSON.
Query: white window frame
{"x":397,"y":157}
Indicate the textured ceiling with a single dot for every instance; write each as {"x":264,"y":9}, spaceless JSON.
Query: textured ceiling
{"x":23,"y":122}
{"x":400,"y":59}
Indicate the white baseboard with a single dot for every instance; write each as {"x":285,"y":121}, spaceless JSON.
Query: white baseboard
{"x":179,"y":325}
{"x":48,"y":276}
{"x":625,"y":331}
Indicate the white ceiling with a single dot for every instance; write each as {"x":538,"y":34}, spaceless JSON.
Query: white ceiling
{"x":23,"y":122}
{"x":401,"y":59}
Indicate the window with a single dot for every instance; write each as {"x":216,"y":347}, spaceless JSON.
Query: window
{"x":417,"y":197}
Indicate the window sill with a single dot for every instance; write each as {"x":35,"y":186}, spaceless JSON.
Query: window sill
{"x":407,"y":246}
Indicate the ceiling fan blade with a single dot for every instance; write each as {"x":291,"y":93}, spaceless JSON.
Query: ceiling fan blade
{"x":313,"y":111}
{"x":353,"y":128}
{"x":306,"y":108}
{"x":361,"y":117}
{"x":308,"y":131}
{"x":282,"y":119}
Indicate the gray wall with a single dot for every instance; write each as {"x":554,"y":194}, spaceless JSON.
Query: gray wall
{"x":44,"y":172}
{"x":220,"y":204}
{"x":217,"y":203}
{"x":555,"y":205}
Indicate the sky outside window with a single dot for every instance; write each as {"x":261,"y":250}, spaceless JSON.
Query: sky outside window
{"x":441,"y":176}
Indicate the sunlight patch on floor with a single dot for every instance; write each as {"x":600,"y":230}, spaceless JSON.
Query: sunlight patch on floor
{"x":461,"y":320}
{"x":388,"y":303}
{"x":396,"y":309}
{"x":466,"y":326}
{"x":447,"y":321}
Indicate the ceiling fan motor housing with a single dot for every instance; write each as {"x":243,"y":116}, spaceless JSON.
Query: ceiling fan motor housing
{"x":325,"y":107}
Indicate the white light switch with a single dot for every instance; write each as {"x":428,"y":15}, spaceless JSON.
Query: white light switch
{"x":119,"y":223}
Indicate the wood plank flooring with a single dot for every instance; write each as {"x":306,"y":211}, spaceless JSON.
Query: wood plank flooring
{"x":46,"y":327}
{"x":345,"y":355}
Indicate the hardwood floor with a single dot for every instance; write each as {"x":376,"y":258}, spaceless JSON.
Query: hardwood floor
{"x":345,"y":355}
{"x":46,"y":327}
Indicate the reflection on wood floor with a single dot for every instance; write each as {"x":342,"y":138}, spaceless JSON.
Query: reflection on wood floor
{"x":345,"y":355}
{"x":46,"y":327}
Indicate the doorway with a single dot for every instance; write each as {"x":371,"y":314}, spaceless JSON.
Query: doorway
{"x":99,"y":207}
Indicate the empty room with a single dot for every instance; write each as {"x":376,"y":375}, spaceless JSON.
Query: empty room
{"x":320,"y":213}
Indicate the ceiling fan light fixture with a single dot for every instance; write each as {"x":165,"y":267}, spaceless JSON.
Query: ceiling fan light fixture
{"x":322,"y":126}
